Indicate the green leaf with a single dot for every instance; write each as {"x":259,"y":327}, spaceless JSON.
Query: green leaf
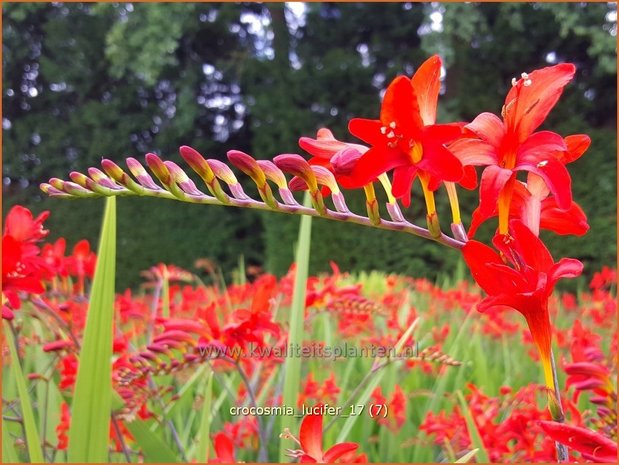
{"x":154,"y":448}
{"x":9,"y":455}
{"x":466,"y":458}
{"x":32,"y":435}
{"x":202,"y":450}
{"x":292,"y":365}
{"x":472,"y":427}
{"x":92,"y":401}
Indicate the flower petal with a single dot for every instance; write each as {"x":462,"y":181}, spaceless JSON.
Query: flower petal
{"x":477,"y":256}
{"x":368,"y":130}
{"x":400,"y":107}
{"x":565,"y":268}
{"x":336,"y":451}
{"x":572,"y":221}
{"x":577,"y":145}
{"x":489,"y":128}
{"x":526,"y":107}
{"x":441,"y":163}
{"x":403,"y":178}
{"x":493,"y":179}
{"x":427,"y":84}
{"x":376,"y":161}
{"x":474,"y":152}
{"x":554,"y":174}
{"x":310,"y":435}
{"x":589,"y":443}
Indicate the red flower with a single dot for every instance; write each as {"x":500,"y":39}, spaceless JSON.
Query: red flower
{"x":510,"y":145}
{"x":23,"y":268}
{"x":531,"y":202}
{"x":310,"y":440}
{"x":593,"y":446}
{"x":224,"y":449}
{"x":20,"y":225}
{"x":406,"y":138}
{"x":525,"y":286}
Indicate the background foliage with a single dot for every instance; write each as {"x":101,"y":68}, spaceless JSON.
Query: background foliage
{"x":82,"y":81}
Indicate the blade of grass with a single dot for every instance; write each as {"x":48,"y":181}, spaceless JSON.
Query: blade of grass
{"x":154,"y":448}
{"x":33,"y":440}
{"x":9,"y":455}
{"x":292,"y":365}
{"x":466,"y":458}
{"x":472,"y":427}
{"x":202,"y":451}
{"x":92,"y":401}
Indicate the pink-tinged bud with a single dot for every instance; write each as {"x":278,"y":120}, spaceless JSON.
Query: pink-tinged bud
{"x":273,"y":173}
{"x":141,"y":174}
{"x":100,"y":178}
{"x":197,"y":163}
{"x":159,"y":169}
{"x":345,"y":160}
{"x":297,"y":184}
{"x":175,"y":335}
{"x":148,"y":356}
{"x":191,"y":357}
{"x":37,"y":376}
{"x":57,"y":346}
{"x":297,"y":166}
{"x":247,"y":165}
{"x":587,"y":369}
{"x":52,"y":191}
{"x":80,"y":179}
{"x":181,"y":178}
{"x":325,"y":178}
{"x":339,"y":202}
{"x":112,"y":169}
{"x":158,"y":348}
{"x":250,"y":167}
{"x":189,"y":326}
{"x":223,"y":172}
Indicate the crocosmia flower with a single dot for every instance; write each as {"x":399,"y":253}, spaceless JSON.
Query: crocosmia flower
{"x":510,"y":145}
{"x":522,"y":277}
{"x":406,"y":138}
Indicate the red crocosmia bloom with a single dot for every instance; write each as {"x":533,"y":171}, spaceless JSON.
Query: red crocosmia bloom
{"x":20,"y":225}
{"x":526,"y":285}
{"x":511,"y":145}
{"x":532,"y":203}
{"x":593,"y":446}
{"x":338,"y":157}
{"x":406,"y":138}
{"x":310,"y":441}
{"x":63,"y":427}
{"x":224,"y":449}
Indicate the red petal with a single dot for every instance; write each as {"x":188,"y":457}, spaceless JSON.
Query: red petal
{"x":583,"y":440}
{"x":338,"y":450}
{"x":526,"y":107}
{"x":477,"y":256}
{"x":427,"y":84}
{"x":400,"y":106}
{"x":577,"y":145}
{"x":310,"y":435}
{"x":542,"y":144}
{"x":224,"y":448}
{"x":403,"y":178}
{"x":376,"y":161}
{"x":489,"y":128}
{"x":554,"y":174}
{"x":441,"y":163}
{"x":474,"y":152}
{"x":527,"y":245}
{"x":368,"y":130}
{"x":565,"y":268}
{"x":493,"y":179}
{"x":469,"y":178}
{"x":572,"y":221}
